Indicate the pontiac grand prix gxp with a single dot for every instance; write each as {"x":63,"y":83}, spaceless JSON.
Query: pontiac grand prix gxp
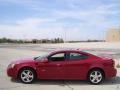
{"x":63,"y":65}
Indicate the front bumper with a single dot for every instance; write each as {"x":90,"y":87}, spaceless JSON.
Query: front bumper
{"x":12,"y":72}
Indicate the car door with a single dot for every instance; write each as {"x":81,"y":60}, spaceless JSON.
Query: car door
{"x":76,"y":67}
{"x":54,"y":68}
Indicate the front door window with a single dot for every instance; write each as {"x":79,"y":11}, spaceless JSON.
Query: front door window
{"x":57,"y":57}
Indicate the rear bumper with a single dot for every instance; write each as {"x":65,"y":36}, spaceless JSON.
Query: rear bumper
{"x":109,"y":73}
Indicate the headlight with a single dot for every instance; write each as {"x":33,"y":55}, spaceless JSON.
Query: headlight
{"x":11,"y":65}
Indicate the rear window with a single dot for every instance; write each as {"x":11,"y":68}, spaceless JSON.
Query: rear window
{"x":77,"y":56}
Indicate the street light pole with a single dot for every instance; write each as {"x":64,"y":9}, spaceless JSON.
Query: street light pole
{"x":65,"y":36}
{"x":65,"y":33}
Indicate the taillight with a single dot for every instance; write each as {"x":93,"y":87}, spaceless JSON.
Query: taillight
{"x":113,"y":63}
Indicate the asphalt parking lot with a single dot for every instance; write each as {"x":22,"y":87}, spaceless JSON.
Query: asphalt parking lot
{"x":9,"y":53}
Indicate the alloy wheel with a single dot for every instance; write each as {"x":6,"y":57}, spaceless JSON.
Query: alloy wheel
{"x":95,"y":77}
{"x":27,"y":76}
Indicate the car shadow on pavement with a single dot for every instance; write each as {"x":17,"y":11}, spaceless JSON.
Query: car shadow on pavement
{"x":112,"y":81}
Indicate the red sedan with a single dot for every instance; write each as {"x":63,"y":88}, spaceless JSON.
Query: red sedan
{"x":63,"y":65}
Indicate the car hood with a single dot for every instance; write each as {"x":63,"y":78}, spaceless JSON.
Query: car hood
{"x":26,"y":60}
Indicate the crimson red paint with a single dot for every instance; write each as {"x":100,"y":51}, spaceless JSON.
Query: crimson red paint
{"x":63,"y":65}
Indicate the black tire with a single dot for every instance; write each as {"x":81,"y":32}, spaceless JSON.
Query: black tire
{"x":95,"y":76}
{"x":28,"y":78}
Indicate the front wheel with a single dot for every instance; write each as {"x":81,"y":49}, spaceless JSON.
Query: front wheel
{"x":27,"y":76}
{"x":95,"y":76}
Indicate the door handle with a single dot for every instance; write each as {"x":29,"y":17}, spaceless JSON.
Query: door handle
{"x":59,"y":65}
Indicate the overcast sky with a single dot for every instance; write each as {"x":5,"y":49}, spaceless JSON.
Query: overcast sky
{"x":79,"y":19}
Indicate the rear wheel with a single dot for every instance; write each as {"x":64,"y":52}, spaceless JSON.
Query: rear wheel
{"x":27,"y":76}
{"x":95,"y":76}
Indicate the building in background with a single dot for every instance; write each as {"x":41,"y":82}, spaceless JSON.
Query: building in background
{"x":113,"y":35}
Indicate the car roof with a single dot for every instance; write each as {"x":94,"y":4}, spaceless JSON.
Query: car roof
{"x":68,"y":50}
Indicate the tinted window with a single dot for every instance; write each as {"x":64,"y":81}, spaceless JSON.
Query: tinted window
{"x":77,"y":56}
{"x":57,"y":57}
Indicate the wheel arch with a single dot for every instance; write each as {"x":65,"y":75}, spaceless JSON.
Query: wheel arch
{"x":96,"y":68}
{"x":26,"y":67}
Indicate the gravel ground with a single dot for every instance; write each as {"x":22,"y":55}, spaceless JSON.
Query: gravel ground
{"x":10,"y":52}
